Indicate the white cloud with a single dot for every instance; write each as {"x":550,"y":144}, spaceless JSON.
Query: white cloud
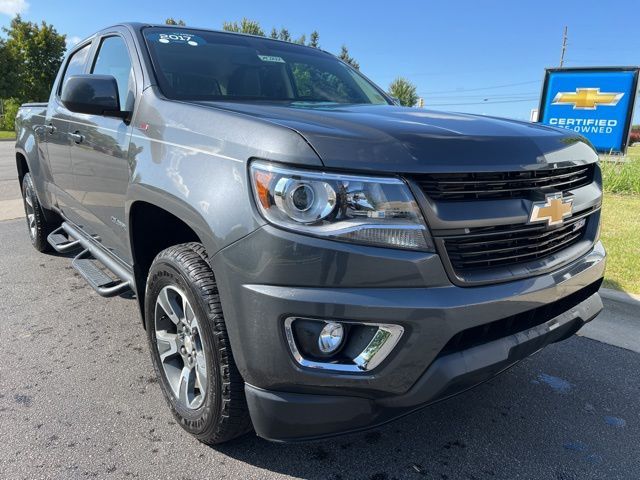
{"x":71,"y":41}
{"x":13,"y":7}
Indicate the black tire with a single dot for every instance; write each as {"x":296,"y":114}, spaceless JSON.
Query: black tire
{"x":38,"y":226}
{"x":223,"y":414}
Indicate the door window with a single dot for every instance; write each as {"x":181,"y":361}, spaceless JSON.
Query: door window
{"x":113,"y":59}
{"x":76,"y":64}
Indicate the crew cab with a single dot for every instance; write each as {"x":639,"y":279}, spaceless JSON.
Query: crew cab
{"x":308,"y":257}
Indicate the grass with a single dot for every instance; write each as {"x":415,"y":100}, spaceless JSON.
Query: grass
{"x":621,"y":238}
{"x":621,"y":220}
{"x":7,"y":135}
{"x":622,"y":175}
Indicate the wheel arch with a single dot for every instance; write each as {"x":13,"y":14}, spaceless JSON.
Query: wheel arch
{"x":153,"y":228}
{"x":22,"y":165}
{"x":26,"y":165}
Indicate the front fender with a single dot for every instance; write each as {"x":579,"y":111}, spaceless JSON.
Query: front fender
{"x":206,"y":191}
{"x":190,"y":214}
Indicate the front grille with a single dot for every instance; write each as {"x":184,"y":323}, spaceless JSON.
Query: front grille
{"x":504,"y":327}
{"x":489,"y":247}
{"x":498,"y":185}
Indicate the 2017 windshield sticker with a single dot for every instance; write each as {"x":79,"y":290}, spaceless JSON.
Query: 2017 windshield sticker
{"x":184,"y":38}
{"x":271,"y":58}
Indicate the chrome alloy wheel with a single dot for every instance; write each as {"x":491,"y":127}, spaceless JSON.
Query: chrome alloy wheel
{"x":179,"y":345}
{"x":31,"y":214}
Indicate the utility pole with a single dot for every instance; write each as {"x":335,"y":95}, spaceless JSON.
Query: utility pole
{"x":564,"y":46}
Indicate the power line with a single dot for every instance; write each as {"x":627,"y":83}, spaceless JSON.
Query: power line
{"x":483,"y":95}
{"x":481,"y":88}
{"x":428,"y":105}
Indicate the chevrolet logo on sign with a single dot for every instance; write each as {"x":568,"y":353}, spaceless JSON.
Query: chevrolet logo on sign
{"x":587,"y":99}
{"x":553,"y":210}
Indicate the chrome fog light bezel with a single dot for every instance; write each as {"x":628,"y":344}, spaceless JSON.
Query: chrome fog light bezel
{"x":377,"y":350}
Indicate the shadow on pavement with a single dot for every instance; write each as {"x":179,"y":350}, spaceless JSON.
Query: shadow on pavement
{"x":546,"y":418}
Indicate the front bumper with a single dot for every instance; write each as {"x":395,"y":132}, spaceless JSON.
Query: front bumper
{"x":282,"y":416}
{"x":288,"y":402}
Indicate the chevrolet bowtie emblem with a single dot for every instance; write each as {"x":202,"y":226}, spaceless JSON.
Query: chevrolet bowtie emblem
{"x":587,"y":99}
{"x":553,"y":210}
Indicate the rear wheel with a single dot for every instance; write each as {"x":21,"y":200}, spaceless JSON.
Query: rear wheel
{"x":39,"y":227}
{"x":190,"y":347}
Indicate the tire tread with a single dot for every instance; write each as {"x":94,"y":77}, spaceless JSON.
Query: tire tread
{"x":43,"y":227}
{"x":233,"y":419}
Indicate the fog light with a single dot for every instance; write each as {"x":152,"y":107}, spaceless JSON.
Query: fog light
{"x":330,"y":337}
{"x":340,"y":346}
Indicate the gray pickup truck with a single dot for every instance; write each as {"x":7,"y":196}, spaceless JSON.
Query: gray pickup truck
{"x":309,"y":258}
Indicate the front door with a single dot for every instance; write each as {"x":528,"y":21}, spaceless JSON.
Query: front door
{"x":99,"y":150}
{"x":57,"y":123}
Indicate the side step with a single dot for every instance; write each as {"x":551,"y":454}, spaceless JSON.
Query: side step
{"x":61,"y":243}
{"x":102,"y":283}
{"x":89,"y":261}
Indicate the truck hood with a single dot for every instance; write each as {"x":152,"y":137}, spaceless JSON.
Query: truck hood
{"x":384,"y":138}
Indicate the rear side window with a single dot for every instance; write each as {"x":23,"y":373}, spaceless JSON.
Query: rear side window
{"x":113,"y":59}
{"x":76,"y":64}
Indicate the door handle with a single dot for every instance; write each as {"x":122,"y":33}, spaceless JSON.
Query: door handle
{"x":76,"y":137}
{"x":50,"y":129}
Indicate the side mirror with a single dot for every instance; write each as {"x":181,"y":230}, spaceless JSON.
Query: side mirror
{"x":93,"y":94}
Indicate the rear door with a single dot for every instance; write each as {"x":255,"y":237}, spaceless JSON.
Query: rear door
{"x":100,"y":149}
{"x":57,"y":123}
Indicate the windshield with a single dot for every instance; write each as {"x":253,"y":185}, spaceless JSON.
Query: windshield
{"x":202,"y":65}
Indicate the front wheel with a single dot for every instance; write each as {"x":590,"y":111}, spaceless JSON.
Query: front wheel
{"x":39,"y":227}
{"x":190,"y":347}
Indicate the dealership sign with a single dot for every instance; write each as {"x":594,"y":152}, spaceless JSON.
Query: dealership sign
{"x":595,"y":102}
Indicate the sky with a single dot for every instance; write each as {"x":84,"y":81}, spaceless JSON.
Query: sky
{"x":482,"y":56}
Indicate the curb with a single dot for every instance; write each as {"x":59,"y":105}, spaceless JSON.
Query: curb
{"x":7,"y":139}
{"x":622,"y":297}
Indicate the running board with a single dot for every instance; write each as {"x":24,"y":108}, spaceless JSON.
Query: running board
{"x":88,"y":263}
{"x":102,"y":283}
{"x":61,"y":243}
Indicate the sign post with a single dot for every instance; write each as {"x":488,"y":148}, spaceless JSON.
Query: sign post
{"x":595,"y":102}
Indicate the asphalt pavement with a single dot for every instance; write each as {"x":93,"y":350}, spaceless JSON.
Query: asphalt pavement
{"x":78,"y":399}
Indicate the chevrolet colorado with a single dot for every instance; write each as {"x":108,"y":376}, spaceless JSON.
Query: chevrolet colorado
{"x":308,"y":258}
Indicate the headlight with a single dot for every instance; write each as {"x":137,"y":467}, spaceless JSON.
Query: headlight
{"x":350,"y":208}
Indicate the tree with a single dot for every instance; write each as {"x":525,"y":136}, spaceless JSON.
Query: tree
{"x":404,"y":91}
{"x":40,"y":49}
{"x":315,"y":38}
{"x":284,"y":35}
{"x":8,"y":67}
{"x":247,"y":26}
{"x":345,"y":57}
{"x":172,"y":21}
{"x":10,"y":110}
{"x":253,"y":27}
